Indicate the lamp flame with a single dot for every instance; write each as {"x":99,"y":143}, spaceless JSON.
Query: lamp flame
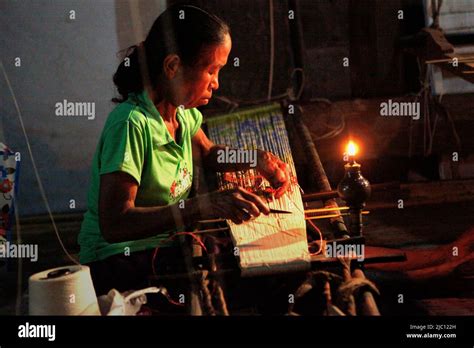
{"x":352,"y":148}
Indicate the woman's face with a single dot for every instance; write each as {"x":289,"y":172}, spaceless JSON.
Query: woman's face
{"x":194,"y":86}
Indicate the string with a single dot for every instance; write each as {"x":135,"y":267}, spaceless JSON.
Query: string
{"x":273,"y":226}
{"x":170,"y":239}
{"x":155,"y":253}
{"x":35,"y":169}
{"x":320,"y":238}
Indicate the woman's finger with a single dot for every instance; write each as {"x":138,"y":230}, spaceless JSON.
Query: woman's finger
{"x":247,"y":205}
{"x":283,"y":180}
{"x":282,"y":189}
{"x":255,"y":200}
{"x":242,"y":215}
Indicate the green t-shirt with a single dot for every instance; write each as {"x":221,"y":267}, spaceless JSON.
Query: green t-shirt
{"x":135,"y":140}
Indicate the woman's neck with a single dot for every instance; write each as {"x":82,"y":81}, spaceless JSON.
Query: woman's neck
{"x":166,"y":109}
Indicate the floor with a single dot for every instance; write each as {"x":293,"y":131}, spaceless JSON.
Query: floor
{"x":418,"y":227}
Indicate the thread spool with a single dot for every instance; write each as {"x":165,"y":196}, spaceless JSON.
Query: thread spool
{"x":63,"y":291}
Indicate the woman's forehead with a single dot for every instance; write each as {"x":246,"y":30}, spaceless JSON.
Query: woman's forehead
{"x":215,"y":54}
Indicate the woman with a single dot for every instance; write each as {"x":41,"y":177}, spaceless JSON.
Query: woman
{"x":143,"y":166}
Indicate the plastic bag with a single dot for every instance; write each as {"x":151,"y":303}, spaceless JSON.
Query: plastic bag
{"x":128,"y":303}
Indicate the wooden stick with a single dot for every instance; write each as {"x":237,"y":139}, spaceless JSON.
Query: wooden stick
{"x":194,"y":305}
{"x":368,"y":304}
{"x":321,"y":196}
{"x":317,"y":217}
{"x":331,"y":216}
{"x":212,"y":230}
{"x":210,"y":221}
{"x":308,"y":211}
{"x":323,"y":210}
{"x":315,"y":264}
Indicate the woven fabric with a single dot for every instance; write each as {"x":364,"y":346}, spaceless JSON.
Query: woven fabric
{"x":268,"y":244}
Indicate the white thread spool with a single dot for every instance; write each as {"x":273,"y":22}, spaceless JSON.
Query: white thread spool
{"x":63,"y":291}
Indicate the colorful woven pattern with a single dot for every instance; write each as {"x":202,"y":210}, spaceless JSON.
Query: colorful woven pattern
{"x":269,"y":244}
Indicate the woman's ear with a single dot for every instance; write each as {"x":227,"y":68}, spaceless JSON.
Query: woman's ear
{"x":171,"y":65}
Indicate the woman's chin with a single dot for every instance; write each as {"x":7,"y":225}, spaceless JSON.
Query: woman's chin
{"x":197,"y":103}
{"x":202,"y":101}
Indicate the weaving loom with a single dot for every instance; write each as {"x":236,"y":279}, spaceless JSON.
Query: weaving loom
{"x":277,"y":242}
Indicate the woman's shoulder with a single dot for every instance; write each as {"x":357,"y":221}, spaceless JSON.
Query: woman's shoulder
{"x":127,"y":112}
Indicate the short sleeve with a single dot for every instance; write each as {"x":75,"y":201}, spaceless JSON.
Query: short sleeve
{"x":123,"y":150}
{"x":195,"y":121}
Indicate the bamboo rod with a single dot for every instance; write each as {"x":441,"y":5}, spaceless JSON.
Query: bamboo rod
{"x":331,"y":216}
{"x":449,"y":60}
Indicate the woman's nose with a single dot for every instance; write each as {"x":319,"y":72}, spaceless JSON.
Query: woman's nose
{"x":215,"y":83}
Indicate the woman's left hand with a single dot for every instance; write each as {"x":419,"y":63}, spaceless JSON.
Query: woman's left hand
{"x":275,"y":171}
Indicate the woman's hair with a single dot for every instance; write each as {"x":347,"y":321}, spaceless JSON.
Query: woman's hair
{"x":183,"y":30}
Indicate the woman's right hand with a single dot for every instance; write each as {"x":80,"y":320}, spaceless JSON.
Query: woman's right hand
{"x":237,"y":204}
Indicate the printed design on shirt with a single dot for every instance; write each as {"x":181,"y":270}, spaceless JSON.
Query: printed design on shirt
{"x":182,"y":184}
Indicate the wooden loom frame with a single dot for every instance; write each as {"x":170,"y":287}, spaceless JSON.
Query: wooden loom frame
{"x":204,"y":269}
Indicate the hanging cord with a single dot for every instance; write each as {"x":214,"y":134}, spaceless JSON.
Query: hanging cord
{"x":303,"y":82}
{"x":272,"y":50}
{"x":30,"y":152}
{"x":333,"y":130}
{"x":19,"y":282}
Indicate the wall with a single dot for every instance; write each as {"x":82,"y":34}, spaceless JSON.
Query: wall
{"x":61,"y":58}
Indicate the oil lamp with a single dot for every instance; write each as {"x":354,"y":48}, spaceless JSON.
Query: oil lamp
{"x":354,"y":189}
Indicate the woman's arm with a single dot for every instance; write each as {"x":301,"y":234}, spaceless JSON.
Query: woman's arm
{"x":120,"y":220}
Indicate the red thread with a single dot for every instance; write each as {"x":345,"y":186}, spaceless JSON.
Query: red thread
{"x":320,"y":238}
{"x":168,"y":297}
